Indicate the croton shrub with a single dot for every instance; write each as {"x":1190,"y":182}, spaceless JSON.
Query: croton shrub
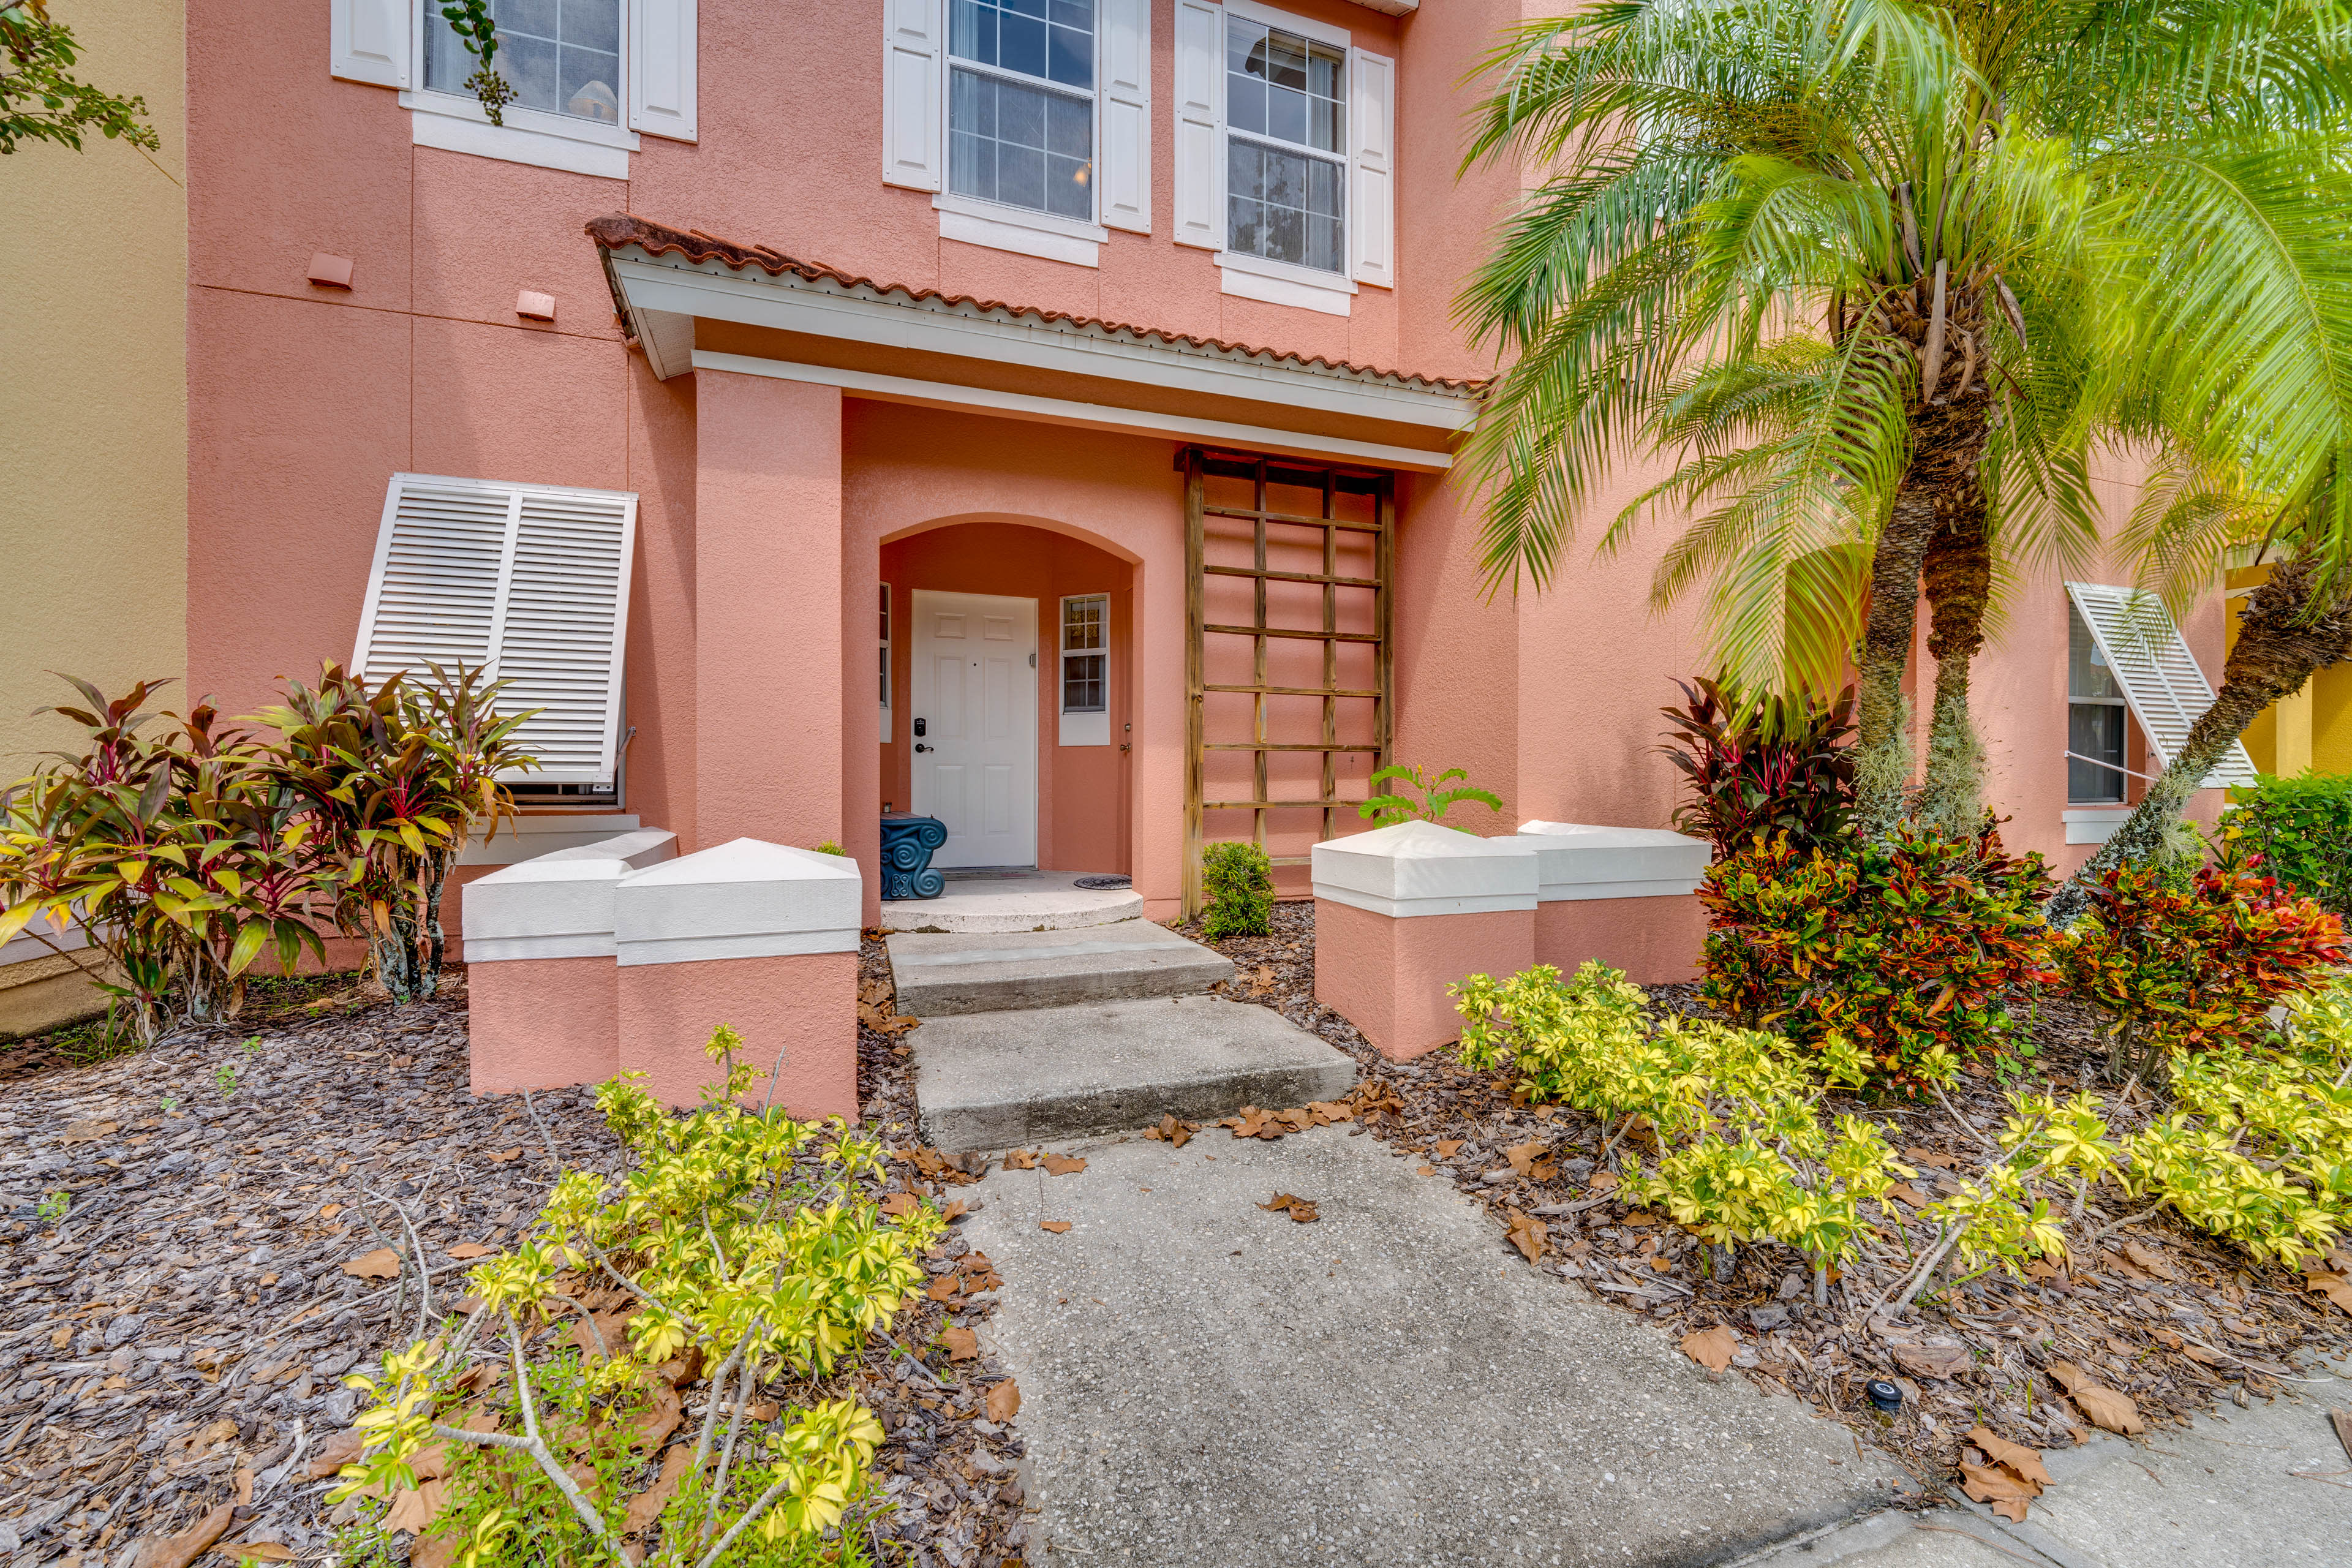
{"x":2186,"y":969}
{"x":1912,"y":952}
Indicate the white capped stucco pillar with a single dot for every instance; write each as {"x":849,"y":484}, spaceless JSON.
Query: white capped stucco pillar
{"x":1404,"y":912}
{"x":760,"y":936}
{"x":1625,"y":897}
{"x":540,"y":997}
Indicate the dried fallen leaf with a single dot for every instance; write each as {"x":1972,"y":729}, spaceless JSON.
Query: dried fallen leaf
{"x":1429,"y":1170}
{"x":1523,"y":1156}
{"x":2335,"y":1288}
{"x":87,"y":1131}
{"x":898,"y":1205}
{"x":2018,"y":1460}
{"x":1448,"y":1147}
{"x":1989,"y":1483}
{"x":255,"y":1551}
{"x":1602,"y":1181}
{"x":384,"y":1263}
{"x":1939,"y":1361}
{"x":2150,"y":1258}
{"x":1529,"y":1235}
{"x":179,"y":1551}
{"x":1299,"y":1209}
{"x":466,"y":1249}
{"x":338,"y":1450}
{"x":1057,"y":1225}
{"x":963,"y":1343}
{"x":2012,"y":1509}
{"x":1003,"y":1401}
{"x":1930,"y":1157}
{"x":505,"y":1156}
{"x":1062,"y":1165}
{"x":1910,"y":1194}
{"x":660,"y":1419}
{"x":414,"y":1507}
{"x":2105,"y":1407}
{"x":648,"y":1505}
{"x":1021,"y":1159}
{"x":1639,"y":1217}
{"x":1712,"y":1348}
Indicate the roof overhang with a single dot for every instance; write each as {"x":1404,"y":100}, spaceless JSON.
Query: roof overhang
{"x":884,"y":344}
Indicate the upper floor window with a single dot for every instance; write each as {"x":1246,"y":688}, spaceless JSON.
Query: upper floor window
{"x":1021,"y":104}
{"x":1285,"y":147}
{"x":2094,"y":719}
{"x":561,"y":57}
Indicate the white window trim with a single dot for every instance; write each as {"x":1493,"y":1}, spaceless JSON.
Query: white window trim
{"x":1084,"y":726}
{"x":456,"y":122}
{"x":1304,"y":27}
{"x":1231,"y":261}
{"x":974,"y":220}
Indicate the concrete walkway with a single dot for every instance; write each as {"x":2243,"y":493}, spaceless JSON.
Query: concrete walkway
{"x":1206,"y":1382}
{"x":2266,"y":1486}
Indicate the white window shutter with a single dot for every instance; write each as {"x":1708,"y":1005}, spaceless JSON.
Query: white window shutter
{"x":1125,"y":72}
{"x":530,"y":583}
{"x":1371,"y":208}
{"x":370,"y":40}
{"x":2162,"y":684}
{"x":1200,"y":123}
{"x":661,"y":68}
{"x":914,"y":94}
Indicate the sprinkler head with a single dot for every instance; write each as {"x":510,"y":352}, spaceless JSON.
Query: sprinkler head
{"x":1885,"y":1397}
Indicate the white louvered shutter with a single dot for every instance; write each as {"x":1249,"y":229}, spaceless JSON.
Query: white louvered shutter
{"x":1200,"y":123}
{"x":1125,"y":76}
{"x":2162,"y":683}
{"x":370,"y":40}
{"x":530,"y":582}
{"x":1371,"y":212}
{"x":661,"y":68}
{"x":914,"y":94}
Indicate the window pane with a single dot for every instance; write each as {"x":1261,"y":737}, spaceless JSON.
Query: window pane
{"x":2094,"y":730}
{"x":1278,"y":84}
{"x":1082,"y":683}
{"x":1024,"y":146}
{"x":2087,"y":674}
{"x":1283,"y":205}
{"x":1082,"y":624}
{"x":561,"y":57}
{"x":1052,"y":40}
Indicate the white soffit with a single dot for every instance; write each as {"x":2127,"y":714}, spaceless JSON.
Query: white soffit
{"x":667,"y":284}
{"x":1390,"y":7}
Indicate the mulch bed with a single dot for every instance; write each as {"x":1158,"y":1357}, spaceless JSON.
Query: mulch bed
{"x":2172,"y":1317}
{"x":176,"y":1339}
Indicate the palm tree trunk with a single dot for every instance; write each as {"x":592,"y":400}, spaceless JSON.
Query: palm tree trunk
{"x":2281,"y":641}
{"x":1958,"y":577}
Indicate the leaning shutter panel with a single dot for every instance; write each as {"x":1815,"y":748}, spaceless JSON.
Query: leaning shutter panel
{"x":440,"y":567}
{"x":1126,"y":72}
{"x":661,"y":68}
{"x":565,"y":625}
{"x":1371,"y":116}
{"x":2162,"y":684}
{"x":369,"y":40}
{"x":1199,"y":106}
{"x":913,"y":94}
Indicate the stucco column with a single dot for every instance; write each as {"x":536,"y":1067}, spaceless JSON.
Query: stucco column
{"x":768,"y":613}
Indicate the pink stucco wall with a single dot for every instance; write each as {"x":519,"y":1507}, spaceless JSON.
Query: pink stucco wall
{"x":1652,"y":941}
{"x":766,"y":507}
{"x":803,"y":1006}
{"x":1388,"y":977}
{"x":542,"y":1023}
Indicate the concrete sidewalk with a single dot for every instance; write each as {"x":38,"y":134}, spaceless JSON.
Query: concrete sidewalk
{"x":1206,"y":1382}
{"x":2266,"y":1486}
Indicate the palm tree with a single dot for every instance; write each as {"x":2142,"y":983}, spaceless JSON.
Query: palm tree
{"x":1880,"y":274}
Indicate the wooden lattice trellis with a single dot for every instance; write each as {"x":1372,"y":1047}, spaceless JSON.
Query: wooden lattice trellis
{"x":1262,"y":473}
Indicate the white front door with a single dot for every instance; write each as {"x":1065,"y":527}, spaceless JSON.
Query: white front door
{"x":975,"y":725}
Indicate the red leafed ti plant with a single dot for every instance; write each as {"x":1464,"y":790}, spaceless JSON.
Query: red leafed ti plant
{"x":1761,"y":763}
{"x":1909,"y":950}
{"x":2188,"y":968}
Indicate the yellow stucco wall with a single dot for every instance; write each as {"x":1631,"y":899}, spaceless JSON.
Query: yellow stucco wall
{"x":2316,"y":722}
{"x":93,"y":423}
{"x":93,"y":465}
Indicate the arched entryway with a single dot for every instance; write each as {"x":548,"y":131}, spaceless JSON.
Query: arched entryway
{"x":1010,"y":646}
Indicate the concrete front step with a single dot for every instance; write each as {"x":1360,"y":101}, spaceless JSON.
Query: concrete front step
{"x":998,"y":1081}
{"x":942,"y":975}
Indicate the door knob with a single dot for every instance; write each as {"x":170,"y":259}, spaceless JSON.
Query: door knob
{"x":920,"y":747}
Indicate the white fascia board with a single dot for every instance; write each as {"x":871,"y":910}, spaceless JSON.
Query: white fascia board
{"x":1086,"y":415}
{"x":767,"y":302}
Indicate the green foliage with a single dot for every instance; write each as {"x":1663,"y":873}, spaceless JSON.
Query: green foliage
{"x":1907,"y":952}
{"x":41,"y":98}
{"x":391,"y":779}
{"x":827,"y":846}
{"x":53,"y":1207}
{"x":1761,"y":762}
{"x":2191,"y":968}
{"x":478,"y":31}
{"x":1743,"y":1155}
{"x":2302,"y":827}
{"x":744,"y":1243}
{"x":1436,"y":800}
{"x":1238,"y":880}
